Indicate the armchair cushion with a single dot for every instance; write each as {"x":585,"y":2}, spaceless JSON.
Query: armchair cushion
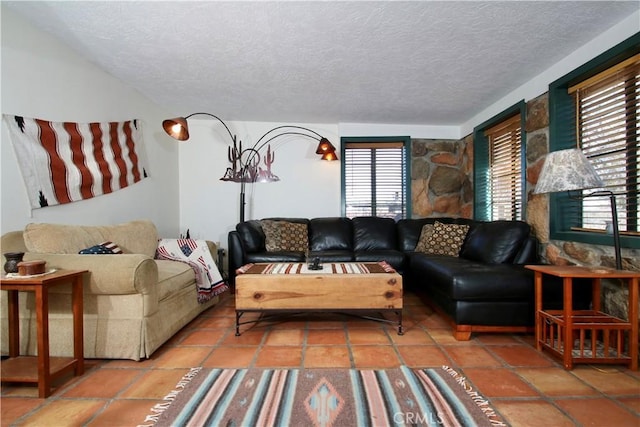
{"x":495,"y":242}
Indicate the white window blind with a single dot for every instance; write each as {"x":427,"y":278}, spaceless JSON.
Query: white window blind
{"x":375,"y":178}
{"x":607,"y":116}
{"x":505,"y":169}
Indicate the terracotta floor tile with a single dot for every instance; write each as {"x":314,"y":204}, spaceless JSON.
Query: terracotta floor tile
{"x":183,"y":357}
{"x":499,"y":382}
{"x":598,"y":412}
{"x":133,"y":364}
{"x":216,"y":322}
{"x":13,"y":408}
{"x":154,"y":384}
{"x":433,"y":321}
{"x":279,"y":356}
{"x":498,"y":339}
{"x":231,"y":357}
{"x":415,"y":336}
{"x":124,"y":412}
{"x":633,"y":403}
{"x":294,"y":337}
{"x":112,"y":382}
{"x":373,"y":356}
{"x":556,"y":382}
{"x":65,"y":413}
{"x":326,"y":324}
{"x":367,"y":336}
{"x":326,"y":337}
{"x":532,"y":413}
{"x":445,"y":336}
{"x":521,"y":355}
{"x":471,"y":356}
{"x":610,"y":381}
{"x":423,"y":356}
{"x":251,"y":337}
{"x":203,"y":337}
{"x":327,"y":357}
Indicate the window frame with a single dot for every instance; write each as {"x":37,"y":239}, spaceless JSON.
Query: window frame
{"x":562,"y":135}
{"x":481,"y":162}
{"x":406,"y":142}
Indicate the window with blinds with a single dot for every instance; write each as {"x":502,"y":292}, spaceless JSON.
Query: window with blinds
{"x":607,"y":109}
{"x":375,"y":179}
{"x":505,"y":169}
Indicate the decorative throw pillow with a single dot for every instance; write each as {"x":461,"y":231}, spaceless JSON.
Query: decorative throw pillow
{"x":104,"y":248}
{"x":446,"y":239}
{"x":285,"y":236}
{"x":425,"y":234}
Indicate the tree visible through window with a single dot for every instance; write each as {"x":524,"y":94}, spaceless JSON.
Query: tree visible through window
{"x":375,"y":178}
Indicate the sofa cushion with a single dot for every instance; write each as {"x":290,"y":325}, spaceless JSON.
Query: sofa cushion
{"x":394,"y":258}
{"x":327,"y":234}
{"x":134,"y":237}
{"x":446,"y":239}
{"x":285,"y":236}
{"x":495,"y":242}
{"x":251,"y":236}
{"x":425,"y":235}
{"x":461,"y":279}
{"x":373,"y":233}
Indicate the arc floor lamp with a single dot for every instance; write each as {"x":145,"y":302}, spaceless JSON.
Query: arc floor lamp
{"x":570,"y":170}
{"x":249,"y":165}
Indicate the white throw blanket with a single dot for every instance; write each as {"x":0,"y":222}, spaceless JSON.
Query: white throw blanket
{"x":196,"y":253}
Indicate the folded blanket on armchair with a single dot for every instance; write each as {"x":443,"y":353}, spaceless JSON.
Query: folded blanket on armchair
{"x":196,"y":253}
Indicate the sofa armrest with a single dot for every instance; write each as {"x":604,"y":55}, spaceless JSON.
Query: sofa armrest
{"x":109,"y":274}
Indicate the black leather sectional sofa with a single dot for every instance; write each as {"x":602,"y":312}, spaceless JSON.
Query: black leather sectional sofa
{"x":484,"y":289}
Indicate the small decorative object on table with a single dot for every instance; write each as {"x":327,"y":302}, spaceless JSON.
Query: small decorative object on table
{"x":315,"y":264}
{"x":29,"y":268}
{"x":13,"y":258}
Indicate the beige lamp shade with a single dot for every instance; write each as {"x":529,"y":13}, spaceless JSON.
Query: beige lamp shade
{"x":567,"y":170}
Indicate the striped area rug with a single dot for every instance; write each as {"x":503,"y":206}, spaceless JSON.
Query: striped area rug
{"x":323,"y":397}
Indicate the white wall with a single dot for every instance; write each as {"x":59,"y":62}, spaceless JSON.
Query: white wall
{"x":42,"y":78}
{"x":540,"y":84}
{"x":209,"y":207}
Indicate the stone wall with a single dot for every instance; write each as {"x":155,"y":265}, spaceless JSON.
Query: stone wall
{"x":441,"y":178}
{"x":557,"y":252}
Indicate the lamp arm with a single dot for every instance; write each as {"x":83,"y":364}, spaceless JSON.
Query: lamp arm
{"x":614,"y":220}
{"x":259,"y":146}
{"x":231,"y":135}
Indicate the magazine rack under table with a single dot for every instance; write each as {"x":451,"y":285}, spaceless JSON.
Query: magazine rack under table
{"x":591,"y":335}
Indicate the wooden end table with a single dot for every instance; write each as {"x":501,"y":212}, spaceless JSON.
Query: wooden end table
{"x":42,"y":369}
{"x":600,"y":336}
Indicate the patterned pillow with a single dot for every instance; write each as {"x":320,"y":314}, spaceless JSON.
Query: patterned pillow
{"x":285,"y":236}
{"x":425,"y":234}
{"x":104,"y":248}
{"x":447,"y":239}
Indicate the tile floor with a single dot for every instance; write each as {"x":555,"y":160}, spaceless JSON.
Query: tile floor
{"x":526,"y":387}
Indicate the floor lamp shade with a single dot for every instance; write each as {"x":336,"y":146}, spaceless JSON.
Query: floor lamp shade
{"x":570,"y":170}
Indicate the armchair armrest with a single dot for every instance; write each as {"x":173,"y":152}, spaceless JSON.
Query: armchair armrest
{"x":109,"y":274}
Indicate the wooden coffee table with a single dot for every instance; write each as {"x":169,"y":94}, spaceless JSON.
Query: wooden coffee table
{"x":338,"y":287}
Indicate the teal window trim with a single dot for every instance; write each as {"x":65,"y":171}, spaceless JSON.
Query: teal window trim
{"x":481,"y":197}
{"x":406,"y":142}
{"x":562,"y":135}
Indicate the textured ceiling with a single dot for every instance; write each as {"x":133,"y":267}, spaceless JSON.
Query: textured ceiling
{"x":420,"y":62}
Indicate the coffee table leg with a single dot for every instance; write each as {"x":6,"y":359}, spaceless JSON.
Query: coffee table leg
{"x":238,"y":314}
{"x":400,"y":331}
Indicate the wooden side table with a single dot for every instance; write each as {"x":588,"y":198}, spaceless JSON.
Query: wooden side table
{"x":42,"y":369}
{"x":600,"y":337}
